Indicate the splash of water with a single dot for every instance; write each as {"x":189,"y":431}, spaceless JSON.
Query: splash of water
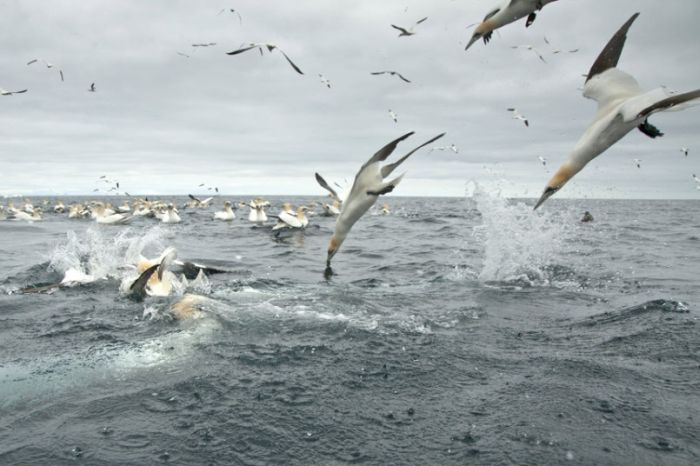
{"x":519,"y":245}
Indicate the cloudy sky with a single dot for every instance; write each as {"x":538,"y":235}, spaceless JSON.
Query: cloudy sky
{"x":162,"y":123}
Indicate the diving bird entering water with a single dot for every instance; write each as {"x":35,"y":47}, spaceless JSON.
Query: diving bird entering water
{"x":369,"y":184}
{"x":622,"y":106}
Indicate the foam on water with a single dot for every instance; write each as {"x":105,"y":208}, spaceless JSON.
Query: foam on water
{"x":519,"y":245}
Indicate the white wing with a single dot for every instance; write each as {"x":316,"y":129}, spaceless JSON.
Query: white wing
{"x":610,"y":86}
{"x":290,"y":219}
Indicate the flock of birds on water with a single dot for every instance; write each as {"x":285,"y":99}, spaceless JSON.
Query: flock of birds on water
{"x":622,"y":107}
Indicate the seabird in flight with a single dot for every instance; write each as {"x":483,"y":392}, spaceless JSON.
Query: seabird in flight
{"x":270,"y":48}
{"x":408,"y":32}
{"x":393,"y":73}
{"x":622,"y":106}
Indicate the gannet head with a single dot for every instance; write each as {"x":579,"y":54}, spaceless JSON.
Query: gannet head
{"x":564,"y":174}
{"x":333,"y":247}
{"x":227,"y":204}
{"x":481,"y":30}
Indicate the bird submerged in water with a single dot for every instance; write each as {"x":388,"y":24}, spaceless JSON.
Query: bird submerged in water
{"x":622,"y":106}
{"x":369,"y":184}
{"x":506,"y":12}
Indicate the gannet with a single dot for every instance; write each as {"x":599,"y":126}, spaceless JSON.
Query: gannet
{"x":542,"y":159}
{"x":506,"y":12}
{"x":408,"y":32}
{"x":108,"y":217}
{"x":226,"y":214}
{"x":59,"y":208}
{"x":518,"y":116}
{"x":324,"y":81}
{"x":124,"y":208}
{"x":270,"y":48}
{"x":151,"y":283}
{"x":392,"y":73}
{"x":622,"y":106}
{"x":385,"y":209}
{"x":92,"y":88}
{"x":35,"y":216}
{"x":530,"y":48}
{"x":297,"y":219}
{"x":369,"y":184}
{"x":232,"y":11}
{"x":331,"y":210}
{"x":638,"y":162}
{"x":200,"y":202}
{"x":5,"y":92}
{"x":48,"y":65}
{"x":393,"y":116}
{"x":257,"y":212}
{"x":685,"y":151}
{"x":170,"y":215}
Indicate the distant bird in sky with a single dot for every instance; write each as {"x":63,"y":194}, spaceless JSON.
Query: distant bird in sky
{"x":324,"y":81}
{"x":270,"y":48}
{"x":638,"y":162}
{"x":393,"y":73}
{"x":183,"y":54}
{"x":393,"y":116}
{"x":204,"y":44}
{"x":233,"y":12}
{"x":48,"y":65}
{"x":506,"y":12}
{"x":5,"y":92}
{"x":697,"y":180}
{"x":518,"y":116}
{"x":451,"y":147}
{"x":622,"y":106}
{"x":408,"y":32}
{"x":369,"y":184}
{"x":92,"y":87}
{"x":542,"y":159}
{"x":531,"y":48}
{"x":685,"y":151}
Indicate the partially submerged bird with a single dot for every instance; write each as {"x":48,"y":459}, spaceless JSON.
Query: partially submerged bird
{"x":622,"y":106}
{"x":369,"y":184}
{"x":506,"y":12}
{"x":270,"y":48}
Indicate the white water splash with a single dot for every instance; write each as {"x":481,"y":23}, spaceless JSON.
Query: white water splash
{"x":519,"y":245}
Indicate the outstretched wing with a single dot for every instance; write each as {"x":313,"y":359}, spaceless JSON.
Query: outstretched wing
{"x":384,"y":152}
{"x":138,"y":288}
{"x":244,"y":49}
{"x":610,"y":55}
{"x":670,"y":102}
{"x":387,"y":169}
{"x":325,"y":186}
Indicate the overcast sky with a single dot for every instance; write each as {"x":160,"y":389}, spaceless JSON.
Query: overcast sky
{"x":161,"y":123}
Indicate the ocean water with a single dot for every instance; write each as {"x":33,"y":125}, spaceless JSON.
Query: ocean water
{"x":454,"y":331}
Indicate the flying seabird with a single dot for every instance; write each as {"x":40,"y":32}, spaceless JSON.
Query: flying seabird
{"x":408,"y":32}
{"x":183,"y":54}
{"x":369,"y":184}
{"x":506,"y":12}
{"x":4,"y":92}
{"x":48,"y":65}
{"x":518,"y":116}
{"x":204,"y":44}
{"x":393,"y":116}
{"x":685,"y":151}
{"x":531,"y":48}
{"x":638,"y":162}
{"x":92,"y":87}
{"x":232,"y":11}
{"x":542,"y":159}
{"x":622,"y":106}
{"x":270,"y":48}
{"x":325,"y":81}
{"x":393,"y":73}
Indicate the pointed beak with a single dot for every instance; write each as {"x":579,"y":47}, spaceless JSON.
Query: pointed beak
{"x":548,"y":192}
{"x":474,"y":38}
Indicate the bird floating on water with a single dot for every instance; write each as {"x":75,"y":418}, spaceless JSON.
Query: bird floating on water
{"x":622,"y":106}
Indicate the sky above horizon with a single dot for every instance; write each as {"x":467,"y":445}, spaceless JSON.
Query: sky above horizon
{"x":163,"y":123}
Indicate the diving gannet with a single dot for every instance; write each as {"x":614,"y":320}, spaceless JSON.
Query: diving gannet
{"x":506,"y":12}
{"x":270,"y":48}
{"x":227,"y":214}
{"x":622,"y":106}
{"x":408,"y":32}
{"x":369,"y":184}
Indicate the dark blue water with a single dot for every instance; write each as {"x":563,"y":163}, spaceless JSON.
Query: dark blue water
{"x":455,"y":331}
